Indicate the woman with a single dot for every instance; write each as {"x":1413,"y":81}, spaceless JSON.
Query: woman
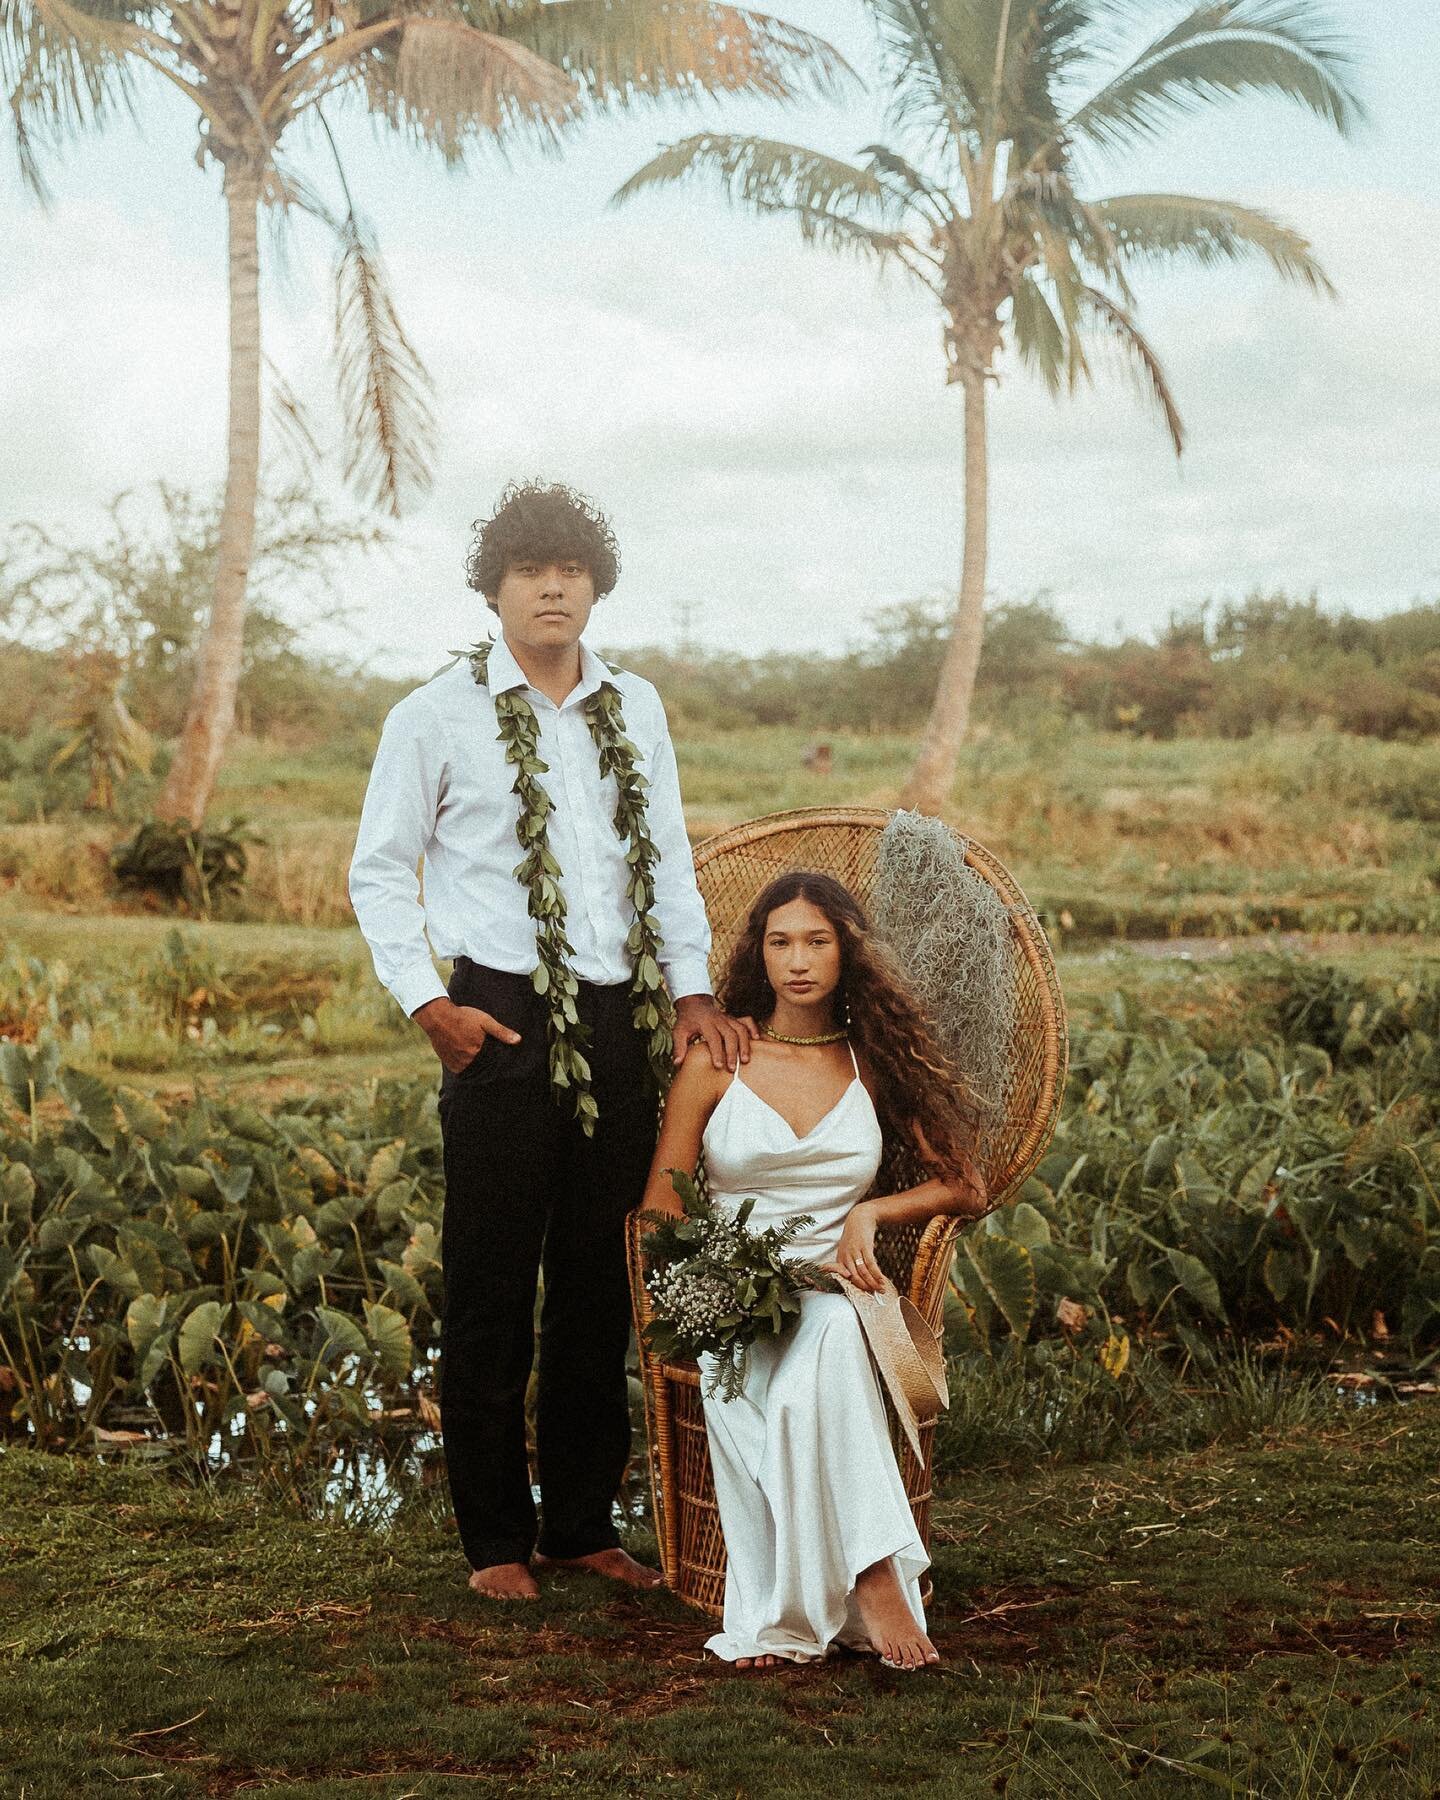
{"x":822,"y":1546}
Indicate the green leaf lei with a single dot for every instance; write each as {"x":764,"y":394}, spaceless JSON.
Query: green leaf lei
{"x":552,"y":978}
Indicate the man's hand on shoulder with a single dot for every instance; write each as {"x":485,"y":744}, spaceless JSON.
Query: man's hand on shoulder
{"x":458,"y":1033}
{"x":699,"y":1020}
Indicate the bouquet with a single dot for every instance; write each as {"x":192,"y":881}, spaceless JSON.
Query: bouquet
{"x":716,"y":1286}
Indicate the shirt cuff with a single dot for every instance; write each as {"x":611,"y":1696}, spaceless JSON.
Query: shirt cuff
{"x":416,"y":988}
{"x":689,"y":976}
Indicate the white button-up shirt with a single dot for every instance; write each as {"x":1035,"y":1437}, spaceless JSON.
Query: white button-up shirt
{"x":440,"y":789}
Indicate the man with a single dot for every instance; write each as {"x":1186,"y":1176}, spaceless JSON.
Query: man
{"x":552,"y":1024}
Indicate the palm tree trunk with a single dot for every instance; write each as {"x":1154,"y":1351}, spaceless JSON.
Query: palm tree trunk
{"x":934,"y":772}
{"x":211,"y":712}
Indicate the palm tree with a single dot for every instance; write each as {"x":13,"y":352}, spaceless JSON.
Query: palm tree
{"x":995,"y":107}
{"x":448,"y":75}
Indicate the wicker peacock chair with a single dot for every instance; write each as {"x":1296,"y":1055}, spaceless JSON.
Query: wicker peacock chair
{"x":732,"y":867}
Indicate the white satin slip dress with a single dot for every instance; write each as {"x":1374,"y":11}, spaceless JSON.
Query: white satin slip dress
{"x":805,"y":1475}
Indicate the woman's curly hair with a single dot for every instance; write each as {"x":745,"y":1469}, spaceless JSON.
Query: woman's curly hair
{"x":544,"y":522}
{"x":916,"y":1085}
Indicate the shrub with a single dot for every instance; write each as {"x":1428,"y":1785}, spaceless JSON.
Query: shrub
{"x":181,"y":863}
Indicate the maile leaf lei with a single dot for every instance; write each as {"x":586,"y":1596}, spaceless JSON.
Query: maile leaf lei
{"x":553,"y":978}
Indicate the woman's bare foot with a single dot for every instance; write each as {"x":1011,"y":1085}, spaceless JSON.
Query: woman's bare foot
{"x":616,"y":1565}
{"x":505,"y":1581}
{"x":758,"y":1662}
{"x":893,"y":1632}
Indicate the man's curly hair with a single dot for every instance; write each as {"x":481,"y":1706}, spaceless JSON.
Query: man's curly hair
{"x":546,"y":522}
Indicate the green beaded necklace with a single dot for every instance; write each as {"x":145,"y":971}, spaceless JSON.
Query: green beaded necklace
{"x":553,"y":978}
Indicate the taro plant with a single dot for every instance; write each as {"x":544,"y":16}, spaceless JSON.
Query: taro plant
{"x":211,"y":1280}
{"x":197,"y":865}
{"x":208,"y":1281}
{"x":1251,"y":1186}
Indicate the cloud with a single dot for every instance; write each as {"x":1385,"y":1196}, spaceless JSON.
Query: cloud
{"x":769,"y":425}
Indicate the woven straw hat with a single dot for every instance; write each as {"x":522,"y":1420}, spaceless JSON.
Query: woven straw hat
{"x":907,"y":1353}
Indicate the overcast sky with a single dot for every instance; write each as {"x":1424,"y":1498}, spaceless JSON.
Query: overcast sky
{"x":767,"y":424}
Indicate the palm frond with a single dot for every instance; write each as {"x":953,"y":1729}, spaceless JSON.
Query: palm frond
{"x":384,"y":387}
{"x":763,"y":172}
{"x":936,"y":59}
{"x":292,"y":422}
{"x":1144,"y":362}
{"x":910,"y":186}
{"x":464,"y":83}
{"x":1224,"y":49}
{"x":827,"y":197}
{"x":285,"y":187}
{"x":1045,"y":40}
{"x":59,"y":77}
{"x":1045,"y":204}
{"x":1165,"y":227}
{"x":1039,"y":335}
{"x":624,"y":51}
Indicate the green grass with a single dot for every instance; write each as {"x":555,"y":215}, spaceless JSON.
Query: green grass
{"x":278,"y":973}
{"x":1257,"y":1619}
{"x":1110,"y":835}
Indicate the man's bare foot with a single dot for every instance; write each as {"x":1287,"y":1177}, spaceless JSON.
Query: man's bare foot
{"x":616,"y":1565}
{"x":893,"y":1632}
{"x":758,"y":1662}
{"x":505,"y":1581}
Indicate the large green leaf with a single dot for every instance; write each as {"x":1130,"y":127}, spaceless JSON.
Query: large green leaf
{"x":266,"y":1321}
{"x":423,"y":1250}
{"x":59,"y":1230}
{"x":157,"y":1354}
{"x":91,"y":1102}
{"x":963,"y":1334}
{"x":234,"y":1182}
{"x":1255,"y":1179}
{"x":144,"y":1317}
{"x":1282,"y":1273}
{"x":10,"y":1268}
{"x":384,"y":1167}
{"x":141,"y":1114}
{"x":119,"y":1272}
{"x":334,"y":1219}
{"x":81,"y":1175}
{"x":1159,"y":1159}
{"x":17,"y":1191}
{"x":1026,"y":1224}
{"x":1198,"y":1183}
{"x":1008,"y":1277}
{"x":1197,"y":1281}
{"x":343,"y":1337}
{"x":402,"y":1284}
{"x":390,"y":1335}
{"x":247,"y":1123}
{"x":140,"y":1255}
{"x":28,"y":1075}
{"x":198,"y":1333}
{"x":390,"y":1203}
{"x":195,"y":1181}
{"x":1140,"y":1282}
{"x":1260,"y":1075}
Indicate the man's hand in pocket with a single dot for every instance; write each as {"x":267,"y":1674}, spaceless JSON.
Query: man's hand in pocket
{"x":458,"y":1033}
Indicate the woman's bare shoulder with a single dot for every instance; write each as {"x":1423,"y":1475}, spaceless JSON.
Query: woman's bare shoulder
{"x":697,"y":1077}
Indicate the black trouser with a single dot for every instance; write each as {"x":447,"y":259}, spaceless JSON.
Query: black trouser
{"x":525,"y":1190}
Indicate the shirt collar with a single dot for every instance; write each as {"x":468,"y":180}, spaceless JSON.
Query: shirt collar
{"x":502,"y":672}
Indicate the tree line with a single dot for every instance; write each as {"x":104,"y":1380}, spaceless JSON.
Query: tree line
{"x":1269,"y":662}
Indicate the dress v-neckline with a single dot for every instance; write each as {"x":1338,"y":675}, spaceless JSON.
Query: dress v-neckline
{"x":799,"y":1137}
